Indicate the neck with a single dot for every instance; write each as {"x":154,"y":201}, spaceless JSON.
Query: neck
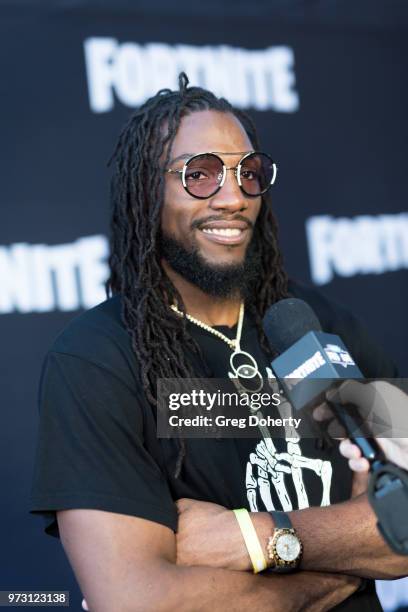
{"x":207,"y":308}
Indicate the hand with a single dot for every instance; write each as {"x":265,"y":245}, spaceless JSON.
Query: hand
{"x":378,"y":401}
{"x":395,"y":449}
{"x":361,"y":395}
{"x":205,"y":536}
{"x":335,"y":430}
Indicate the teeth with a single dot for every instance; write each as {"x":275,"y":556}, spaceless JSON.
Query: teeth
{"x":228,"y":231}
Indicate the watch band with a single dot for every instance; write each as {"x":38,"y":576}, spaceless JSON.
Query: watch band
{"x":281,"y":520}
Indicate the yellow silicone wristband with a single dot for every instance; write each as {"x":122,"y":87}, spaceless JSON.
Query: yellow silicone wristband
{"x":251,"y":540}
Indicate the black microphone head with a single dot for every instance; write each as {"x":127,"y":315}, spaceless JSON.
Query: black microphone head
{"x":287,"y":321}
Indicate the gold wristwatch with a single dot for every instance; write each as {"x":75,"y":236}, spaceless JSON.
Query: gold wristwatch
{"x":284,"y":546}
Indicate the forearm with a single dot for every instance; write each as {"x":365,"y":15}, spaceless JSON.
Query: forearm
{"x":201,"y":589}
{"x":341,"y":538}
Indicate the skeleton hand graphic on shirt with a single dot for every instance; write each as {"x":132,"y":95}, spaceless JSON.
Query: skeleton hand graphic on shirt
{"x":267,"y":468}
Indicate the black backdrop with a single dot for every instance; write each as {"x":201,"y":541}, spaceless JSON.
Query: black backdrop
{"x":326,"y":84}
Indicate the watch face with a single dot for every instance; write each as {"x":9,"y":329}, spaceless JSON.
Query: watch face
{"x":288,"y":547}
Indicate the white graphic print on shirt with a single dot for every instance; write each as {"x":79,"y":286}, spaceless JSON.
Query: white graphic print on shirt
{"x":267,"y":468}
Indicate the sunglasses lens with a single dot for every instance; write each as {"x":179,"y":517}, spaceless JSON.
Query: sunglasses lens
{"x":203,"y":175}
{"x":257,"y":174}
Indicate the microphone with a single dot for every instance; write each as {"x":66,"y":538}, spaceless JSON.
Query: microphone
{"x":310,"y":362}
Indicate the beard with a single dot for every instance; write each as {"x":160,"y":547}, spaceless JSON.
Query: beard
{"x":219,"y":281}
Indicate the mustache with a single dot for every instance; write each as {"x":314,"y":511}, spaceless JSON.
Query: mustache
{"x":199,"y":222}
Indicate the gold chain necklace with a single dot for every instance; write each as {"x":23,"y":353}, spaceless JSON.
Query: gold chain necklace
{"x":234,"y":344}
{"x":239,"y":370}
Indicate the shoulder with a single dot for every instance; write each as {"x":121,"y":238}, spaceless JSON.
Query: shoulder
{"x":102,"y":320}
{"x":336,"y":319}
{"x":99,"y":336}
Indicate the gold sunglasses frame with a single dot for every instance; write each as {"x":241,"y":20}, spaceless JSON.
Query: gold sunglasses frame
{"x":237,"y":172}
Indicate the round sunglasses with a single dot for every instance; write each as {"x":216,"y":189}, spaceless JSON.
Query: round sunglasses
{"x":203,"y":174}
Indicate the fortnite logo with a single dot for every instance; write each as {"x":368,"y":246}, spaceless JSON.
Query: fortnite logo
{"x":308,"y":367}
{"x":43,"y":278}
{"x":262,"y":79}
{"x":361,"y":245}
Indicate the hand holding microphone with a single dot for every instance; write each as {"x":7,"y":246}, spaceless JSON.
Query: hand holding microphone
{"x":309,"y":367}
{"x":372,"y":397}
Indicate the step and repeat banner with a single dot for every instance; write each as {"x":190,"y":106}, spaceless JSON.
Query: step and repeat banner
{"x":329,"y":94}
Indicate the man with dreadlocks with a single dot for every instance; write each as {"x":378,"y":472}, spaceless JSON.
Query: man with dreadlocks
{"x":147,"y":523}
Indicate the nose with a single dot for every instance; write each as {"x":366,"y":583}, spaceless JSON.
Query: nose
{"x":229,"y":197}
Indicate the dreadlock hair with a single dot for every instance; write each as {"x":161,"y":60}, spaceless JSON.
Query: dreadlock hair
{"x":158,"y":335}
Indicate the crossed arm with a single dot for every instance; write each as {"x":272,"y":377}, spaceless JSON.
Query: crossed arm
{"x":131,"y":564}
{"x":342,"y":538}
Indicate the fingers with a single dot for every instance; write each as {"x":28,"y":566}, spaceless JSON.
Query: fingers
{"x":351,"y":452}
{"x":336,"y":430}
{"x":85,"y":605}
{"x":184,"y":503}
{"x":362,"y":395}
{"x":322,"y":413}
{"x":359,"y":465}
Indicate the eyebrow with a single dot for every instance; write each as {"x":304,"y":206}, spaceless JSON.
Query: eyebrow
{"x":182,"y":156}
{"x":187,"y":155}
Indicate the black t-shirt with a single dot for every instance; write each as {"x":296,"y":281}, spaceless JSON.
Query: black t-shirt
{"x":98,"y":448}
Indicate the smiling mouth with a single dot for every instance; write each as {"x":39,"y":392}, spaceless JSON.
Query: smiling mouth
{"x":227,"y":231}
{"x":227,"y":236}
